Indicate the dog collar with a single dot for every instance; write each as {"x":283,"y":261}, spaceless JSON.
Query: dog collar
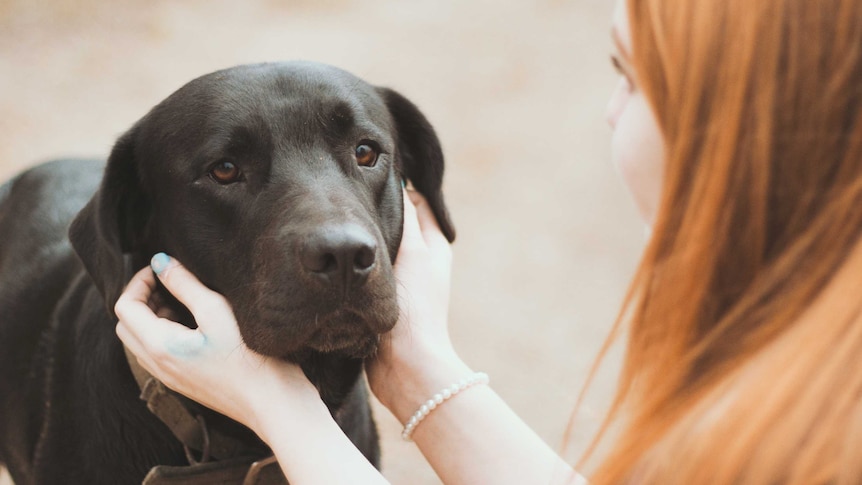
{"x":223,"y":459}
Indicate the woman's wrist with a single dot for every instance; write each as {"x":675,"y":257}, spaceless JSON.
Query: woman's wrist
{"x":309,"y":445}
{"x":407,"y":380}
{"x":288,"y":398}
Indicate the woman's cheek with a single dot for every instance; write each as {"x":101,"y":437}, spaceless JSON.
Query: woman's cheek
{"x":617,"y":103}
{"x":637,"y":151}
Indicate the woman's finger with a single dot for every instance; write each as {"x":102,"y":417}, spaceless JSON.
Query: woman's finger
{"x":136,"y":347}
{"x":136,"y":302}
{"x":186,"y":287}
{"x":412,"y":231}
{"x":428,"y":225}
{"x":133,"y":303}
{"x":141,"y":329}
{"x":140,"y":287}
{"x":133,"y":312}
{"x":145,"y":334}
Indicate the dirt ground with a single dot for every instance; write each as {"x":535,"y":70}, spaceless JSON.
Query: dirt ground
{"x":547,"y":238}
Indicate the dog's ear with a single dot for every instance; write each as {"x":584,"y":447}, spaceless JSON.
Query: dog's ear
{"x":108,"y":226}
{"x":420,"y":156}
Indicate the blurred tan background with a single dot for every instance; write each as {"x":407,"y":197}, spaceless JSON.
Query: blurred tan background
{"x":516,"y":89}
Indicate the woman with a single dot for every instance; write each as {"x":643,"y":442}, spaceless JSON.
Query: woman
{"x":738,"y":128}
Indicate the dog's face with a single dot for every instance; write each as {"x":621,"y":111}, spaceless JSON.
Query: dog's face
{"x":278,"y":185}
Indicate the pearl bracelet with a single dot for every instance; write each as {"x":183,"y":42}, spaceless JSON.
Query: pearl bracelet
{"x":439,"y":398}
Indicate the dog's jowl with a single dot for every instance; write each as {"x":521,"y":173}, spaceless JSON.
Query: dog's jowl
{"x":279,"y":186}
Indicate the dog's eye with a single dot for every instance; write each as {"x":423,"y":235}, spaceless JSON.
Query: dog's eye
{"x":366,"y":155}
{"x":225,"y":173}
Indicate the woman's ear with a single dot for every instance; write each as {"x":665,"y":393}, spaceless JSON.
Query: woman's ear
{"x":419,"y":156}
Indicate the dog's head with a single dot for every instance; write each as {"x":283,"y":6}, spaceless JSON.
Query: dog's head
{"x":278,"y":185}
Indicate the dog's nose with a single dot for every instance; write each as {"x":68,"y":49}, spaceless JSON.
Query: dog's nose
{"x":340,"y":256}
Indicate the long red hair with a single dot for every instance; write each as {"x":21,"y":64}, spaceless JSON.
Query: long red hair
{"x":744,"y":318}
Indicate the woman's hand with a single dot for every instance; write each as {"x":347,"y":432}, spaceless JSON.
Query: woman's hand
{"x":209,"y":364}
{"x":213,"y":366}
{"x":417,"y":354}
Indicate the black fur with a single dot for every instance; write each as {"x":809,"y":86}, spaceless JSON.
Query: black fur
{"x":69,"y":407}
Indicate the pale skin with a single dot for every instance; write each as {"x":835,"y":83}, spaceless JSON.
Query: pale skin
{"x":637,"y":149}
{"x":472,"y":438}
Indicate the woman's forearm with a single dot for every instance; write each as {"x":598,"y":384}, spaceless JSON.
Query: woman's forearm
{"x":474,"y":437}
{"x":310,"y":447}
{"x":477,"y":438}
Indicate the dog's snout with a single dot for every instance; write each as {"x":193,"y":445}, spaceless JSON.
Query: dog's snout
{"x":341,"y":256}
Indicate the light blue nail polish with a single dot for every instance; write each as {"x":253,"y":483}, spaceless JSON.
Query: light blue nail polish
{"x":403,"y":183}
{"x":160,"y":262}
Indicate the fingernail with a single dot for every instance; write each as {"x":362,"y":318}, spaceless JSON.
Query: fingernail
{"x":160,"y":263}
{"x":403,"y":183}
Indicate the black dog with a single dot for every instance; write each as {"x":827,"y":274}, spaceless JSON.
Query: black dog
{"x":278,"y":185}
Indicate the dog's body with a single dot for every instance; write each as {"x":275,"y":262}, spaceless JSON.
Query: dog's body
{"x":278,"y":185}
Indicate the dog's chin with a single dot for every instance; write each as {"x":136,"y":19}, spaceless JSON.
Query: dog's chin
{"x":344,"y":344}
{"x":324,"y":341}
{"x":344,"y":333}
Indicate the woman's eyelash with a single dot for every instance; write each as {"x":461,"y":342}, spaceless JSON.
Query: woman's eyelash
{"x":618,"y":66}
